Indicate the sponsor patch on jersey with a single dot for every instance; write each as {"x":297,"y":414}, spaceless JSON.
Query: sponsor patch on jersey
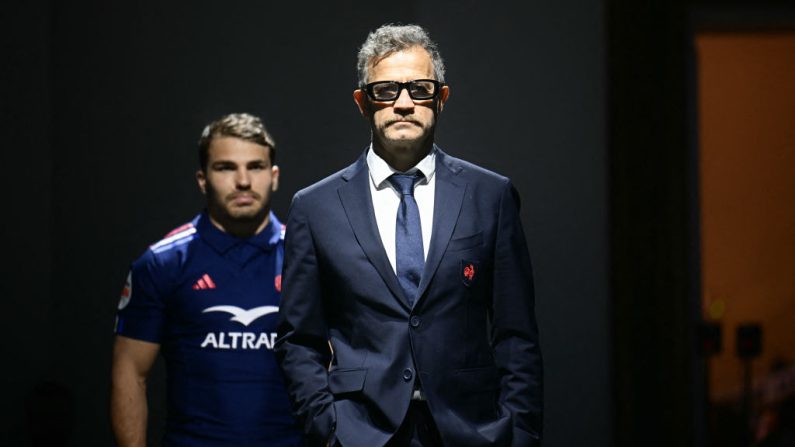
{"x":277,"y":283}
{"x":239,"y":339}
{"x":243,"y":316}
{"x":126,"y":292}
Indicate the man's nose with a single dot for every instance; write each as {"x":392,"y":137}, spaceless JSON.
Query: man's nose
{"x":404,"y":100}
{"x":243,"y":179}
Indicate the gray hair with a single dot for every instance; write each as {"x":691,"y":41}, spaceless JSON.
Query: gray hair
{"x":390,"y":39}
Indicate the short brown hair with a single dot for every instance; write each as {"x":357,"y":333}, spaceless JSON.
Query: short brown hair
{"x":239,"y":125}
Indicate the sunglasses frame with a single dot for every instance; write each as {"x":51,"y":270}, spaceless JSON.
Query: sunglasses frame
{"x":403,"y":85}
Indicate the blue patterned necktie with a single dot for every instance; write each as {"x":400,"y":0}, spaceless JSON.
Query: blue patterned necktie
{"x":409,"y":255}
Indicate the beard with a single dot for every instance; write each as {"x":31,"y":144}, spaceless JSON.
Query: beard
{"x":224,"y":208}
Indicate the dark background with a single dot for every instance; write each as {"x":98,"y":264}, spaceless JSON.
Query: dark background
{"x":582,"y":103}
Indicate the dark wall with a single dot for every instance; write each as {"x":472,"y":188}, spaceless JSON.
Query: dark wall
{"x":26,"y":180}
{"x":123,"y":91}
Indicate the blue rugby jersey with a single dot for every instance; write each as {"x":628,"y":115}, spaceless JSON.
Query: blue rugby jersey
{"x":211,"y":301}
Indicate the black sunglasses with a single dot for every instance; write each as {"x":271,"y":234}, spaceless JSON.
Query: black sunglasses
{"x":419,"y":89}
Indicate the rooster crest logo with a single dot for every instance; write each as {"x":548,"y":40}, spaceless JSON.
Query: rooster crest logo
{"x":469,"y":271}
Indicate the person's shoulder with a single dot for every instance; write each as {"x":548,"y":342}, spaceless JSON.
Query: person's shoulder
{"x":176,"y":239}
{"x":329,"y":185}
{"x":172,"y":247}
{"x":471,"y":171}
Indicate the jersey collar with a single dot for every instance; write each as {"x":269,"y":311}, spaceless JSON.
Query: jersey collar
{"x":222,"y":241}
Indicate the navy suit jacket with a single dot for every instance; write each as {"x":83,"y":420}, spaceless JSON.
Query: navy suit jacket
{"x":351,"y":347}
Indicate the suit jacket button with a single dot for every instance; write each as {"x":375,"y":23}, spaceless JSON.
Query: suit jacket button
{"x":415,"y":321}
{"x":407,"y":374}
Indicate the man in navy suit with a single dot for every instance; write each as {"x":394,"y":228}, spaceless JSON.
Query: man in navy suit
{"x":407,"y":314}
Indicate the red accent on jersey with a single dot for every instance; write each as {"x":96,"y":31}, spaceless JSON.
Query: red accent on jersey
{"x":178,"y":229}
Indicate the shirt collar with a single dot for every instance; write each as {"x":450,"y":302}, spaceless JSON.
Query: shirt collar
{"x":222,"y":241}
{"x":380,"y":169}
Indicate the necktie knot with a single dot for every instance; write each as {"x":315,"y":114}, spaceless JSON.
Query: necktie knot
{"x":404,"y":183}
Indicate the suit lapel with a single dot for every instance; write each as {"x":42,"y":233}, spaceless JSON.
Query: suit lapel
{"x":449,"y":196}
{"x":358,"y":205}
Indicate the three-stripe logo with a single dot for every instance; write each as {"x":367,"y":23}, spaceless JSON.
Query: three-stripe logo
{"x":205,"y":282}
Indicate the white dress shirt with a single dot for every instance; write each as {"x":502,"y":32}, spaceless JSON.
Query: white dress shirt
{"x":386,"y":199}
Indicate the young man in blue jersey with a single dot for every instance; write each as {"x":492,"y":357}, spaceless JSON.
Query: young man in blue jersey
{"x":207,"y":297}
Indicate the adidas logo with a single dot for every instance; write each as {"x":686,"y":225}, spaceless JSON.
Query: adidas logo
{"x":205,"y":282}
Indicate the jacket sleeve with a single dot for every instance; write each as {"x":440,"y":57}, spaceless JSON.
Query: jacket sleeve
{"x":514,"y":328}
{"x":302,"y":348}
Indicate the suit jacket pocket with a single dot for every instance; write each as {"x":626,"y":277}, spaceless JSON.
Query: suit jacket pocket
{"x":477,"y":379}
{"x":463,"y":243}
{"x":476,"y":392}
{"x":341,"y":381}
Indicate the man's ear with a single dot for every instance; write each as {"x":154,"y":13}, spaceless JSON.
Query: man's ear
{"x":360,"y":98}
{"x":444,"y":93}
{"x":201,"y":179}
{"x":274,"y":178}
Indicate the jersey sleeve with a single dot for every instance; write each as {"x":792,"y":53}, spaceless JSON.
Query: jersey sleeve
{"x":142,"y":311}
